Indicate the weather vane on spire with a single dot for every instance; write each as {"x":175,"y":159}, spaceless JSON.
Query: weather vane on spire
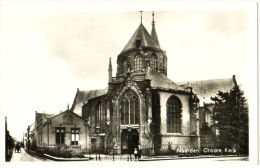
{"x":141,"y":12}
{"x":153,"y":18}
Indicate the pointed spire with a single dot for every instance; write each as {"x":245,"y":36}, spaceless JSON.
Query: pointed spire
{"x":153,"y":33}
{"x":110,"y":64}
{"x":141,"y":13}
{"x":141,"y":34}
{"x":110,"y":71}
{"x":6,"y":123}
{"x":153,"y":23}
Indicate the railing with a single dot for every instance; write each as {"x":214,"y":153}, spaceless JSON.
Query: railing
{"x":146,"y":152}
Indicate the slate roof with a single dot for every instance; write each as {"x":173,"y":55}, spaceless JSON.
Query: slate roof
{"x":40,"y":116}
{"x":155,"y":37}
{"x":146,"y":39}
{"x":82,"y":97}
{"x":205,"y":89}
{"x":161,"y":81}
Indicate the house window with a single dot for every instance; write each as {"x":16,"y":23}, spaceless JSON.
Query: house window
{"x":129,"y":108}
{"x":74,"y":136}
{"x":60,"y":135}
{"x":174,"y":110}
{"x":138,"y":62}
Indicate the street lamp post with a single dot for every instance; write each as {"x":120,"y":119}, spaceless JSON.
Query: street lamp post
{"x":98,"y":133}
{"x":113,"y":152}
{"x":129,"y":129}
{"x":153,"y":136}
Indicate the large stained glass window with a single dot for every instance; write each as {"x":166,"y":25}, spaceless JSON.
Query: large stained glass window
{"x":129,"y":108}
{"x":138,"y":62}
{"x":174,"y":110}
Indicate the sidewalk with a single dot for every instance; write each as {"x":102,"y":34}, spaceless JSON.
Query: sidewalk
{"x":127,"y":157}
{"x":175,"y":157}
{"x":35,"y":154}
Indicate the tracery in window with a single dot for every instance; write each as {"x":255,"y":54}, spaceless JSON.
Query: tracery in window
{"x":129,"y":108}
{"x":138,"y":62}
{"x":153,"y":62}
{"x":174,"y":115}
{"x":98,"y":114}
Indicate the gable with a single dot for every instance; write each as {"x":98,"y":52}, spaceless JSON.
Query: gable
{"x":67,"y":117}
{"x":82,"y":97}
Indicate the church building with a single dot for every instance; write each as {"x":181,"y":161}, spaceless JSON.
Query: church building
{"x":141,"y":107}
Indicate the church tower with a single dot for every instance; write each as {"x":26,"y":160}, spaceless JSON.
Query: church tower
{"x":142,"y":50}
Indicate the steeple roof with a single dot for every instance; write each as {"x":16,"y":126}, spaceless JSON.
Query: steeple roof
{"x":142,"y":35}
{"x":154,"y":34}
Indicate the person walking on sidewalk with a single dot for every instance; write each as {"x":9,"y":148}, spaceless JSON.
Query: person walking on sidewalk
{"x":139,"y":152}
{"x":135,"y":153}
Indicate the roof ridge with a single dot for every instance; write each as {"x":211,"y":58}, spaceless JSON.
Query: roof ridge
{"x":92,"y":90}
{"x":207,"y":80}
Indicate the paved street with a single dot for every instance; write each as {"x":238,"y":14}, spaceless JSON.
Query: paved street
{"x":24,"y":156}
{"x":238,"y":158}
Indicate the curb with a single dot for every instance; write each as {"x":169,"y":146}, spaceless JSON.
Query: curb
{"x":181,"y":158}
{"x":65,"y":159}
{"x":34,"y":154}
{"x":46,"y":156}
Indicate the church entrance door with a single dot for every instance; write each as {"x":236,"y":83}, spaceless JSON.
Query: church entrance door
{"x":129,"y":141}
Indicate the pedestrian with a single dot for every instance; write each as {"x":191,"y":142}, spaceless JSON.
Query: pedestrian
{"x":17,"y":147}
{"x":139,"y":152}
{"x":135,"y":153}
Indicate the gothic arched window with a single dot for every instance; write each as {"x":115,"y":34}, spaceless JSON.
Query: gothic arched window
{"x":138,"y":62}
{"x":129,"y":108}
{"x":107,"y":114}
{"x":174,"y":110}
{"x":98,"y":114}
{"x":124,"y":111}
{"x":153,"y":61}
{"x":164,"y":64}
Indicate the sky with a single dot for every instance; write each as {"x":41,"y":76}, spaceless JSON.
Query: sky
{"x":47,"y":52}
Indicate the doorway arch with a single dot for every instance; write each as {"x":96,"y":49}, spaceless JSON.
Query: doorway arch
{"x":129,"y":141}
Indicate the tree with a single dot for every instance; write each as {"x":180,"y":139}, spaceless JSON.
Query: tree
{"x":230,"y":117}
{"x":208,"y":136}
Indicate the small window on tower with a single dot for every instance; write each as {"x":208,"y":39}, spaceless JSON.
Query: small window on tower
{"x":138,"y":43}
